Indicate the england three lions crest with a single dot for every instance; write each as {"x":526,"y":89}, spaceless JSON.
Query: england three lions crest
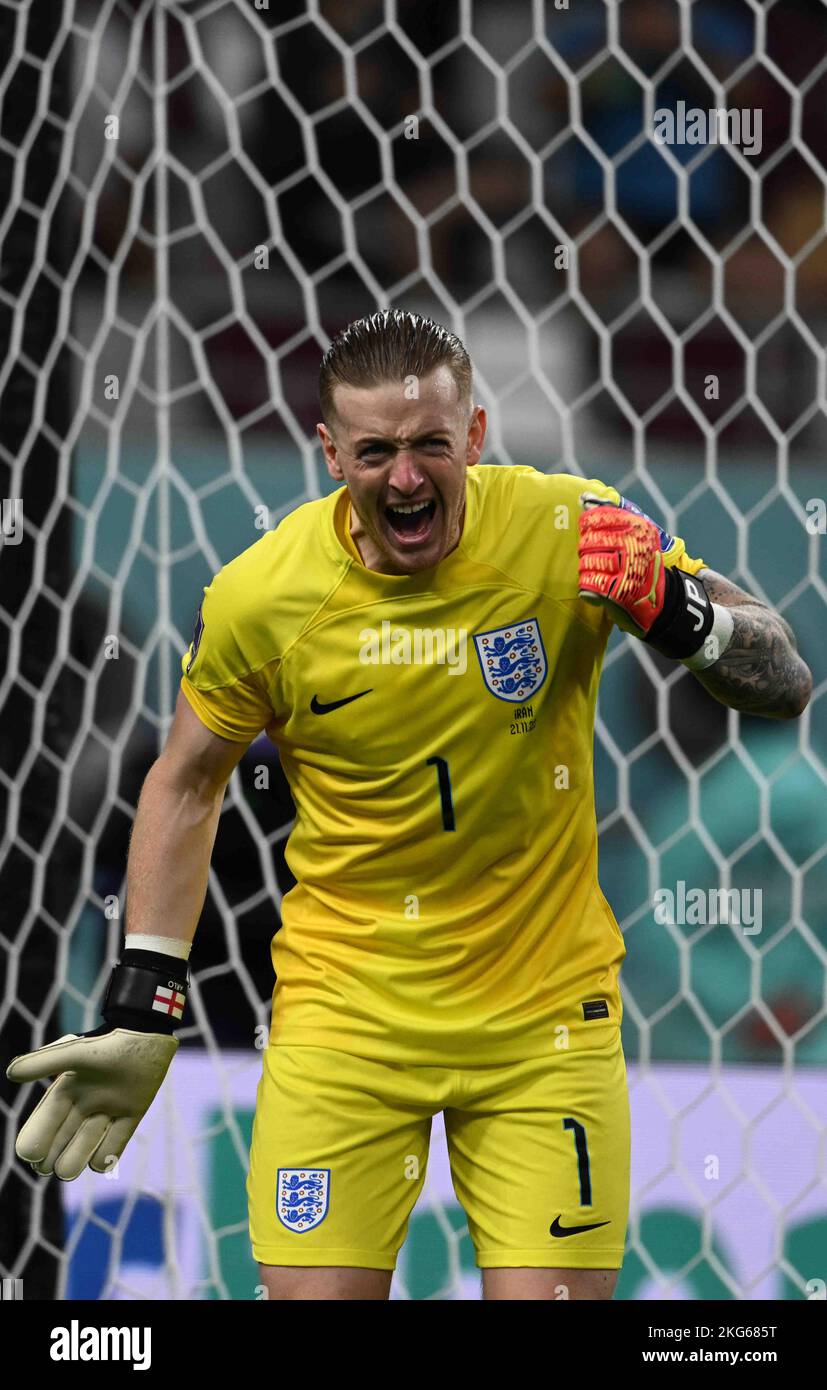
{"x":513,"y":660}
{"x":302,"y":1197}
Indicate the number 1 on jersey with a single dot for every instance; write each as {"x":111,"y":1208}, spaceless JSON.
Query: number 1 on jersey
{"x":448,"y":821}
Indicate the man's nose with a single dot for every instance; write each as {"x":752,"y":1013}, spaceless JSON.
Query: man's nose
{"x":406,"y":475}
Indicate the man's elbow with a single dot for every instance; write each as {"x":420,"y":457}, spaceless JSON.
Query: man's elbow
{"x":798,"y":693}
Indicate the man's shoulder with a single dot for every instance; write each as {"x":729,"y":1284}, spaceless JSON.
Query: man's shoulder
{"x":518,"y":503}
{"x":524,"y":483}
{"x":281,"y":578}
{"x":528,"y":534}
{"x":301,"y":540}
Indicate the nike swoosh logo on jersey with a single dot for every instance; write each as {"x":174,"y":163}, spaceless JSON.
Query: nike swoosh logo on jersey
{"x":318,"y":708}
{"x":555,"y":1229}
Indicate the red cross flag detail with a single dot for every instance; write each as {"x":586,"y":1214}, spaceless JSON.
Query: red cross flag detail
{"x":169,"y":1001}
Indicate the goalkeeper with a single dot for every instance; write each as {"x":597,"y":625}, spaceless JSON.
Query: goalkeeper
{"x":424,"y":647}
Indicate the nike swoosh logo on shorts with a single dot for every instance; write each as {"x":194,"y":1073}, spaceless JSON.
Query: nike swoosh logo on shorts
{"x":555,"y":1229}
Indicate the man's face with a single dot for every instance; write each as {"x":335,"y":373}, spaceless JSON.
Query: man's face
{"x":404,"y":464}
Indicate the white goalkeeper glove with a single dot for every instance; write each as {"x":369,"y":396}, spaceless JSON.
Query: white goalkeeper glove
{"x":105,"y":1085}
{"x":106,"y":1080}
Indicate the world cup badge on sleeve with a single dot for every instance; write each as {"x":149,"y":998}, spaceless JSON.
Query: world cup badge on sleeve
{"x":667,"y":542}
{"x":302,"y":1197}
{"x":197,"y":633}
{"x":513,"y":660}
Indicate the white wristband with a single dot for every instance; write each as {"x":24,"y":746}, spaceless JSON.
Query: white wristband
{"x":716,"y":641}
{"x":165,"y":945}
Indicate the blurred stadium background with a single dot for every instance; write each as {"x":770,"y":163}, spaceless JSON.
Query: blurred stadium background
{"x":167,"y":286}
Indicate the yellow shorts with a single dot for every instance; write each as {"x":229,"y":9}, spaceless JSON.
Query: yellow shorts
{"x":539,"y":1154}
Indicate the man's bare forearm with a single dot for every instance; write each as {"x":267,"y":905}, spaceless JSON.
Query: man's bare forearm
{"x":169,"y":855}
{"x":760,"y":671}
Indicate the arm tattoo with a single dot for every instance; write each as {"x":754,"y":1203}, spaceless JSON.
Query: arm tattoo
{"x":760,"y":672}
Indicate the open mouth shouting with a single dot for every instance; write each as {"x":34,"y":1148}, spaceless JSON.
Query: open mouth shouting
{"x":411,"y":523}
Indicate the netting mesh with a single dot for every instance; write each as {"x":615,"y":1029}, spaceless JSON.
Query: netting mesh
{"x":197,"y":196}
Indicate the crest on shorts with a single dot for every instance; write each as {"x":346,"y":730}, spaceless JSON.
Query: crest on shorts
{"x":302,"y":1197}
{"x":513,"y":660}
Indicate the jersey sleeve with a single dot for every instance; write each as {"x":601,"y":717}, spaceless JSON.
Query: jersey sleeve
{"x":224,"y":678}
{"x":673,"y":548}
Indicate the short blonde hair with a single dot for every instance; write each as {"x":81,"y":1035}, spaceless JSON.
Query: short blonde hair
{"x":390,"y":346}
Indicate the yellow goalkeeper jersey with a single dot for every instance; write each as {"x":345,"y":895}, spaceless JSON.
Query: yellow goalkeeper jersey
{"x":436,"y":731}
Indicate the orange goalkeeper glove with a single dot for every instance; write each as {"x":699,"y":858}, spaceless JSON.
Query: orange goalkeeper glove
{"x":622,"y":567}
{"x":621,"y":564}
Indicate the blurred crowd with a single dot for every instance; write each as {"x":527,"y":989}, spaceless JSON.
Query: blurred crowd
{"x":297,"y":133}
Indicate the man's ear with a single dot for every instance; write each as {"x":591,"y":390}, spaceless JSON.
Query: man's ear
{"x":334,"y":468}
{"x":476,"y":435}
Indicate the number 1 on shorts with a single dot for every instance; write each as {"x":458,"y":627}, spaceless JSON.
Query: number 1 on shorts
{"x":582,"y":1160}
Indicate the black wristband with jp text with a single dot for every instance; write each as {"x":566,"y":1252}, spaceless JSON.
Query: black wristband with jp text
{"x":147,"y":992}
{"x":684,"y":622}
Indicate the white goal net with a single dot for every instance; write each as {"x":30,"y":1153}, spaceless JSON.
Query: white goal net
{"x":620,"y":209}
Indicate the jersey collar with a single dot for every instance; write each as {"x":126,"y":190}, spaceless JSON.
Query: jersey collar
{"x":345,"y":548}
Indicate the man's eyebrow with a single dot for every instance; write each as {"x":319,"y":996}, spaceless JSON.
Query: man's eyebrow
{"x":389,"y":439}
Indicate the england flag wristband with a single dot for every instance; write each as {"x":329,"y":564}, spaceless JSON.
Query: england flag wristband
{"x":147,"y":992}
